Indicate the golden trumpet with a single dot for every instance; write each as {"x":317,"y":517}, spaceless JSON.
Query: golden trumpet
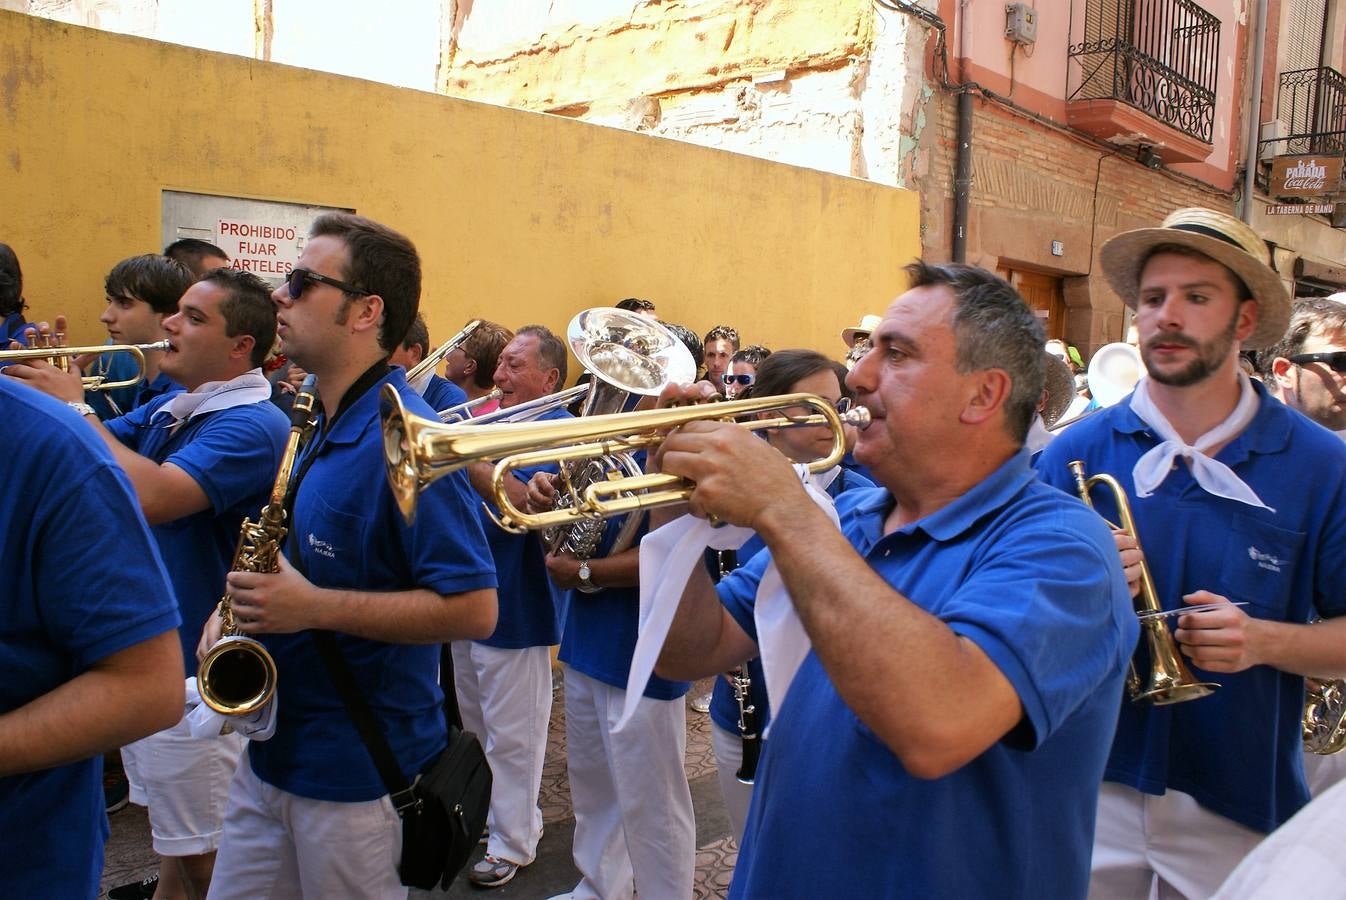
{"x":60,"y":356}
{"x":1170,"y":681}
{"x":418,"y":451}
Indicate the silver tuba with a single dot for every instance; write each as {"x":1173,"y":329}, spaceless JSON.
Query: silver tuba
{"x":624,"y":354}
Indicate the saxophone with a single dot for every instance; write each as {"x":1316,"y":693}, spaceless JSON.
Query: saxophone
{"x":237,"y":676}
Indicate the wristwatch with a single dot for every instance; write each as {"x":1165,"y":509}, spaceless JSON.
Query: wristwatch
{"x":586,"y":586}
{"x":83,"y":409}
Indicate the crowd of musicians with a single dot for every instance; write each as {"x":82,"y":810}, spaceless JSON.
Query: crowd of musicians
{"x":931,"y":677}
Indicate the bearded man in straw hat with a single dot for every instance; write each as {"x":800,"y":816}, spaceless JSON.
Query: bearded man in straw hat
{"x":1218,"y":478}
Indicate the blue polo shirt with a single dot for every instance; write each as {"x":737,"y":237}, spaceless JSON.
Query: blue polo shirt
{"x":529,"y":599}
{"x":601,"y":629}
{"x":80,"y":580}
{"x":348,"y":533}
{"x":232,"y":454}
{"x":441,"y":393}
{"x":723,"y":706}
{"x":1033,"y":579}
{"x":1238,"y":750}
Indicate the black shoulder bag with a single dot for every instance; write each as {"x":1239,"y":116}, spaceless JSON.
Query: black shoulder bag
{"x":444,"y":810}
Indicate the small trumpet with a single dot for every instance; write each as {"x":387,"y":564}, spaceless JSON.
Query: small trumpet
{"x":1170,"y":680}
{"x":60,"y":357}
{"x":419,"y":451}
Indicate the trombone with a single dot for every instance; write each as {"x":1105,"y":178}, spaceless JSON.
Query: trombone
{"x":419,"y":451}
{"x":60,"y":357}
{"x":428,"y":365}
{"x":1170,"y":680}
{"x":463,"y":411}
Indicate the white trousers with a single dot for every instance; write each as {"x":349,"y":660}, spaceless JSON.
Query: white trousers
{"x":728,"y":747}
{"x":505,"y":699}
{"x":1322,"y":772}
{"x":184,"y":781}
{"x":279,"y":845}
{"x":634,"y":826}
{"x":1165,"y":847}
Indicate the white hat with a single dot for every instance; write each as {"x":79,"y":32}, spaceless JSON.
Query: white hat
{"x":864,"y":329}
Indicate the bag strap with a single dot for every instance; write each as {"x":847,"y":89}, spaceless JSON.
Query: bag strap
{"x":339,"y":670}
{"x":362,"y":717}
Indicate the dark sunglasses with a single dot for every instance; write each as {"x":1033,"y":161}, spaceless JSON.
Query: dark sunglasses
{"x":1336,"y":359}
{"x":744,"y":380}
{"x":298,"y":278}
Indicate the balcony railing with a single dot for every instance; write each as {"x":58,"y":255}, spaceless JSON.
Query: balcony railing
{"x":1159,"y":56}
{"x":1312,"y":104}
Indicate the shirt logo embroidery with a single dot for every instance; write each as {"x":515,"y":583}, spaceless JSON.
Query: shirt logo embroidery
{"x":1265,"y":560}
{"x":322,"y":548}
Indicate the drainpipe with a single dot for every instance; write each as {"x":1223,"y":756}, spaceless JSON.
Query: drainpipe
{"x":1255,"y":113}
{"x":962,"y":179}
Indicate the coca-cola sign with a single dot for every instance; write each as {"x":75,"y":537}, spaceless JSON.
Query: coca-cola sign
{"x":1305,"y":176}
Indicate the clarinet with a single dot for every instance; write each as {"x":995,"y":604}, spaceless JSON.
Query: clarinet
{"x":747,"y":712}
{"x":747,"y":725}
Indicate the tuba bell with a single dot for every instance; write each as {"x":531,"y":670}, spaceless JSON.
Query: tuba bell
{"x":625,"y":354}
{"x":1169,"y":681}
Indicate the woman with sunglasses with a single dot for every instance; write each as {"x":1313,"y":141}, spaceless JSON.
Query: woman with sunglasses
{"x":742,"y":371}
{"x":782,"y":372}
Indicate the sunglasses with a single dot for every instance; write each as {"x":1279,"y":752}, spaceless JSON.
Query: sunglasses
{"x":298,"y":278}
{"x":744,"y":380}
{"x":1336,"y":359}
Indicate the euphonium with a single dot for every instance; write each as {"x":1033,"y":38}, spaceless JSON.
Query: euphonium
{"x":237,"y":676}
{"x":418,"y":451}
{"x":60,"y":356}
{"x":1324,"y":723}
{"x":625,"y":354}
{"x":1170,"y":680}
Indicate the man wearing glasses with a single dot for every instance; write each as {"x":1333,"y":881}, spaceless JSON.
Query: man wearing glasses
{"x":1307,"y":368}
{"x":308,"y":814}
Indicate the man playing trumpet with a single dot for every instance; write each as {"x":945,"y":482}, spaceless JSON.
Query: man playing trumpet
{"x":969,"y":626}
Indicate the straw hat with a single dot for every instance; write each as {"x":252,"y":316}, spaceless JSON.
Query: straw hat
{"x":1060,"y":385}
{"x":1218,"y":236}
{"x":866,"y":326}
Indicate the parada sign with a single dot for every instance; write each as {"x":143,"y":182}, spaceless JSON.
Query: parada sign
{"x":1305,"y":176}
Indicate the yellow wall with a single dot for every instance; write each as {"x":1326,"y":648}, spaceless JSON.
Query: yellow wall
{"x":519,"y":216}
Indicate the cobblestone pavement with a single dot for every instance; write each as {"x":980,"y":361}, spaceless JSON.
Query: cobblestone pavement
{"x":129,"y":857}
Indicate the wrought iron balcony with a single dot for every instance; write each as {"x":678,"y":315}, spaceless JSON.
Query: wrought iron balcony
{"x":1312,"y":106}
{"x":1158,"y":56}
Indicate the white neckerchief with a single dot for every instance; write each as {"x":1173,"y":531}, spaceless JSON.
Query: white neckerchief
{"x":250,"y":387}
{"x":1213,"y":476}
{"x":667,"y":557}
{"x":1038,"y":435}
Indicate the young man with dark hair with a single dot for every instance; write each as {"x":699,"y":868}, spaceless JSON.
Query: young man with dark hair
{"x":89,"y":656}
{"x":439,"y":392}
{"x":961,"y":570}
{"x":200,"y":461}
{"x":197,"y":255}
{"x":504,"y":681}
{"x":720,"y":344}
{"x":1215,"y":475}
{"x":141,"y":292}
{"x":308,"y":813}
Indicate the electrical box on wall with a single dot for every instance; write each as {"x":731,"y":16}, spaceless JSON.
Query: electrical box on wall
{"x":1021,"y":23}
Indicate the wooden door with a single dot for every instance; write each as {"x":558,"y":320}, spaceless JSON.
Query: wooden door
{"x":1043,"y":295}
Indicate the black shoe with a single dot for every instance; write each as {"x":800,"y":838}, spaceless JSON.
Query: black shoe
{"x":116,"y":791}
{"x":136,"y":890}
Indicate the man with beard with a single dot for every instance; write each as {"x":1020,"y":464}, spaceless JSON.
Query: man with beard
{"x":1212,"y":469}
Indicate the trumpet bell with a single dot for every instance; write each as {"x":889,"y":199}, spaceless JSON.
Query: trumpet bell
{"x":237,"y":676}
